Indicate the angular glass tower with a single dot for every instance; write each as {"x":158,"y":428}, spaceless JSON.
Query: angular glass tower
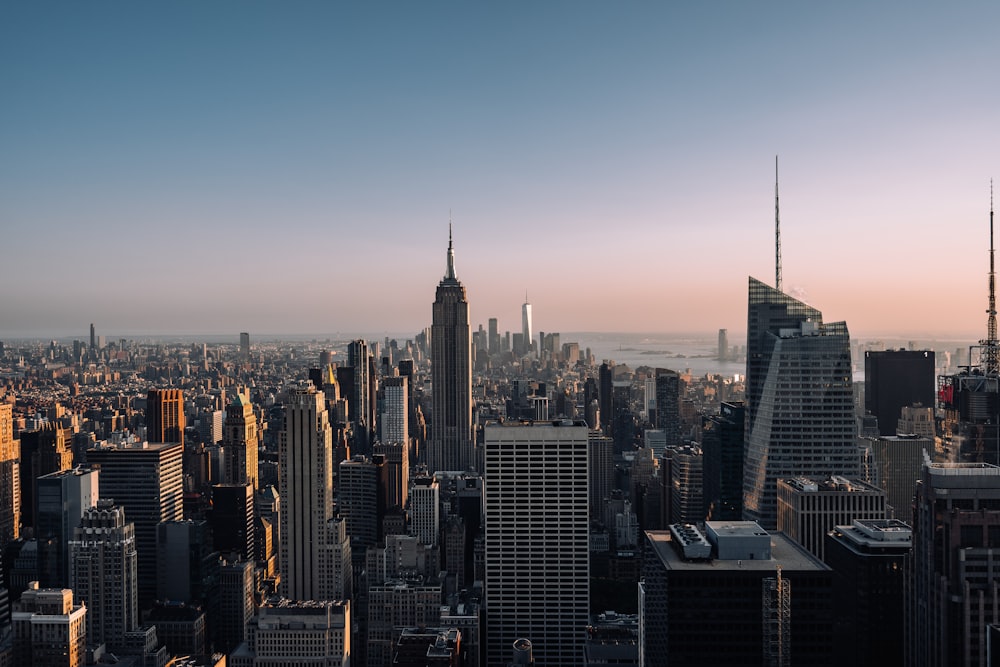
{"x":800,"y":400}
{"x":451,"y":446}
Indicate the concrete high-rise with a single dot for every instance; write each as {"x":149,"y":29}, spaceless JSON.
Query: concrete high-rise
{"x":292,"y":632}
{"x":953,"y":592}
{"x":10,"y":478}
{"x":104,"y":575}
{"x":395,"y":424}
{"x":147,"y":481}
{"x":240,"y":441}
{"x":165,"y":419}
{"x":537,"y":539}
{"x":452,"y":443}
{"x":800,"y":399}
{"x":896,"y":465}
{"x":305,"y":458}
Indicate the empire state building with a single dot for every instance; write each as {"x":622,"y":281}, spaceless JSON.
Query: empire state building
{"x":451,"y":446}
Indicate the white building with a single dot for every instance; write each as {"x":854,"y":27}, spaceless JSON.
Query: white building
{"x":425,"y":510}
{"x":304,"y":634}
{"x":537,"y":565}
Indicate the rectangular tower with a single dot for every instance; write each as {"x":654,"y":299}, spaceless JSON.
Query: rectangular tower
{"x":165,"y":419}
{"x":305,"y":458}
{"x":10,"y":478}
{"x":537,"y":558}
{"x":895,"y":379}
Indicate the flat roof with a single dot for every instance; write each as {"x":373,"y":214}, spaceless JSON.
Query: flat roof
{"x":784,"y":553}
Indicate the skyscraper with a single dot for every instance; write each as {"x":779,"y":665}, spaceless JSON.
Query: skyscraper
{"x":165,"y":415}
{"x":800,"y":400}
{"x":452,"y":445}
{"x":395,"y":410}
{"x":360,"y":399}
{"x":668,"y":405}
{"x":952,"y":595}
{"x":305,"y":458}
{"x":526,"y":325}
{"x":147,"y":481}
{"x":63,"y":497}
{"x":244,"y":345}
{"x":537,"y":539}
{"x":103,"y":573}
{"x":10,"y":478}
{"x":240,"y":441}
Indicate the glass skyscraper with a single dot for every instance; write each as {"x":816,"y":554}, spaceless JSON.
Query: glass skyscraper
{"x":800,"y":401}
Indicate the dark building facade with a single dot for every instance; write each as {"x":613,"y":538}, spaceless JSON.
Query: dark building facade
{"x":722,"y":451}
{"x":452,"y":444}
{"x":895,"y":379}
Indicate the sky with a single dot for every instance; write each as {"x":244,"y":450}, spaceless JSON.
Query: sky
{"x":209,"y":167}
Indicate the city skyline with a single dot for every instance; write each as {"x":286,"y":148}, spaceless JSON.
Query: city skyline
{"x":173,"y":169}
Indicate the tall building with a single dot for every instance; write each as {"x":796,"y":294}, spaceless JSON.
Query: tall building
{"x":396,"y":457}
{"x":668,"y":405}
{"x":305,"y":458}
{"x":722,"y":448}
{"x":452,"y":444}
{"x":953,"y":593}
{"x":240,"y":441}
{"x":395,"y":425}
{"x":526,"y":325}
{"x":49,"y":630}
{"x":808,"y":509}
{"x":602,"y":471}
{"x":104,"y":575}
{"x":232,"y":520}
{"x":10,"y":478}
{"x":244,"y":345}
{"x":147,"y":481}
{"x":537,"y":539}
{"x":425,"y":521}
{"x":359,"y":502}
{"x":723,"y":354}
{"x":44,"y":450}
{"x":687,"y":499}
{"x":494,"y":337}
{"x":896,"y":465}
{"x":895,"y":379}
{"x":63,"y":497}
{"x":165,"y":415}
{"x":733,"y":595}
{"x":868,"y":559}
{"x":800,"y":399}
{"x":361,"y":395}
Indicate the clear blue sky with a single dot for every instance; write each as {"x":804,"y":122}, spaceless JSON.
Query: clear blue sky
{"x":213,"y":167}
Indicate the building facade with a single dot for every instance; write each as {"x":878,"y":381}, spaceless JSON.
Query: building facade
{"x":452,"y":444}
{"x":537,"y":528}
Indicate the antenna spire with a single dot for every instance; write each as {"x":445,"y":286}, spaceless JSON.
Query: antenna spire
{"x":777,"y":231}
{"x":992,"y":350}
{"x":450,"y":273}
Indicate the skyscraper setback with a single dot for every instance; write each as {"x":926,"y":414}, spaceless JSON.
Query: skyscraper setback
{"x":800,"y":400}
{"x":451,"y":446}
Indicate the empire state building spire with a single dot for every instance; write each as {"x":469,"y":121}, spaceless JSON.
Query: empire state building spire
{"x":450,"y":273}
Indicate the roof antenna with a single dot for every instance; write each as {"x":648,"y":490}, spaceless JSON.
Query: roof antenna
{"x":992,"y":356}
{"x":777,"y":232}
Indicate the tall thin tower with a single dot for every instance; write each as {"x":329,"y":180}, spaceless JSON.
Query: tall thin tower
{"x":451,"y":375}
{"x":777,"y":231}
{"x":526,"y":324}
{"x":991,"y":354}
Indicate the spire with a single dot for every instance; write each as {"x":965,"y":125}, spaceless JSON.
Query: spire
{"x":777,"y":232}
{"x":450,"y":273}
{"x":992,"y":351}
